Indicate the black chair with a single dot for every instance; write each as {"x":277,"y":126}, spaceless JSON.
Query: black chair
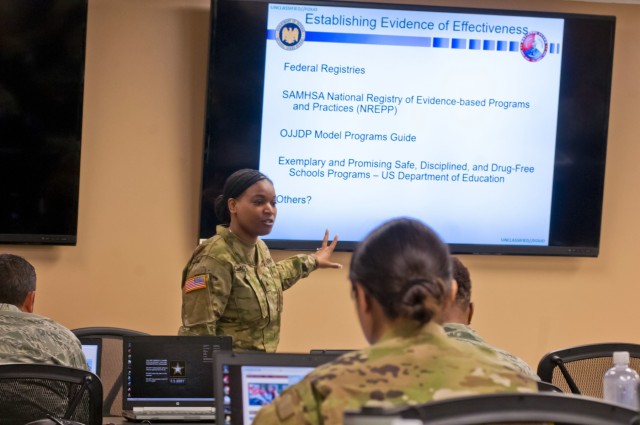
{"x":580,"y":369}
{"x":30,"y":392}
{"x":546,"y":386}
{"x":504,"y":408}
{"x":110,"y":363}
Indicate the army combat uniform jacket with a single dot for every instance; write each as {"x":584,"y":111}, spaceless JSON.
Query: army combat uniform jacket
{"x":466,"y":334}
{"x":406,"y":366}
{"x":30,"y":338}
{"x":230,"y":288}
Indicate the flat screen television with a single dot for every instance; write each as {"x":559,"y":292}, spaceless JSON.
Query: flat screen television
{"x":42,"y":54}
{"x":489,"y":125}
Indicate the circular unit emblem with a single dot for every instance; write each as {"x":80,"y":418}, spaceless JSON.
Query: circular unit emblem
{"x":290,"y":34}
{"x":534,"y":46}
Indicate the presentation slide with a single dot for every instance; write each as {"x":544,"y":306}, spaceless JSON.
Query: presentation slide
{"x":371,"y":114}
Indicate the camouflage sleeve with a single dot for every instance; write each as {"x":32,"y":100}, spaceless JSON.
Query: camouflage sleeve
{"x":296,"y":405}
{"x":295,"y":268}
{"x":205,"y":292}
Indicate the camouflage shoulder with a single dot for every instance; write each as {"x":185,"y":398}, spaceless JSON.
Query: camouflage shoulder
{"x":212,"y":259}
{"x":518,"y":363}
{"x":332,"y":369}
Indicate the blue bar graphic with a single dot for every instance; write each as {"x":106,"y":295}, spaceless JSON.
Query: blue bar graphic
{"x":489,"y":45}
{"x":440,"y":42}
{"x":397,"y":40}
{"x":336,"y":37}
{"x":458,"y":43}
{"x":475,"y":44}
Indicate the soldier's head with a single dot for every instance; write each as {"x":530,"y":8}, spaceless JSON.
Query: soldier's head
{"x":17,"y":282}
{"x":402,"y":270}
{"x":460,"y":311}
{"x":247,"y":204}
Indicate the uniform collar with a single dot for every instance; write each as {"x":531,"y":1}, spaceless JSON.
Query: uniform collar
{"x":247,"y":252}
{"x":461,"y":329}
{"x":9,"y":307}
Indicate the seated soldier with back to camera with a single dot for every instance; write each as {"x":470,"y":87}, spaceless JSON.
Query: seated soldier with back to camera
{"x":457,"y":318}
{"x":26,"y":337}
{"x":401,"y":283}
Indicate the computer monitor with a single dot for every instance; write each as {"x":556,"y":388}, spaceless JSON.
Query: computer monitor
{"x":169,"y":371}
{"x":92,"y":350}
{"x":249,"y":381}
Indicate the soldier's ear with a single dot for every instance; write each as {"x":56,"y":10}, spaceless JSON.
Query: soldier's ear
{"x":364,"y":310}
{"x":450,"y":301}
{"x":232,"y":205}
{"x":454,"y":289}
{"x":362,"y":297}
{"x":29,"y":302}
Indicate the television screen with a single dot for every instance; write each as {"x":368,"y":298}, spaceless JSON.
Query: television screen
{"x":488,"y":125}
{"x":42,"y":51}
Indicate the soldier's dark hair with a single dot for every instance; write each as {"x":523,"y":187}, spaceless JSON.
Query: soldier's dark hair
{"x":17,"y":279}
{"x":234,"y":186}
{"x":405,"y":266}
{"x":463,"y":279}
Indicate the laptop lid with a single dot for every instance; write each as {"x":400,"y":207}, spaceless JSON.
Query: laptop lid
{"x":250,"y":380}
{"x":169,"y":371}
{"x":92,"y":350}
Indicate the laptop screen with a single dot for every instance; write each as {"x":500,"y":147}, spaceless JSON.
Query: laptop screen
{"x":170,"y":370}
{"x":251,"y":380}
{"x":92,"y":349}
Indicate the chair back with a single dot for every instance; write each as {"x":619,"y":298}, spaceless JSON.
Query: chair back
{"x":30,"y":392}
{"x":580,"y":370}
{"x":512,"y":408}
{"x":546,"y":386}
{"x":110,"y":363}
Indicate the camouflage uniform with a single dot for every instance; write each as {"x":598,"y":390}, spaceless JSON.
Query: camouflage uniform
{"x":406,"y":366}
{"x":30,"y":338}
{"x":229,"y":288}
{"x":466,"y":334}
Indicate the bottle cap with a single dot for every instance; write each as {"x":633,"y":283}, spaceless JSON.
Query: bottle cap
{"x":621,"y":357}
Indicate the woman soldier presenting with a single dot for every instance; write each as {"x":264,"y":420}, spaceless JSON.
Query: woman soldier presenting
{"x":231,"y":286}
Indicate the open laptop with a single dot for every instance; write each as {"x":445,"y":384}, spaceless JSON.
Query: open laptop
{"x":92,"y":350}
{"x":250,"y":380}
{"x":170,"y":378}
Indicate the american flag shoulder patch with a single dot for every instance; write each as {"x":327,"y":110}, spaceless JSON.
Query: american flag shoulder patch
{"x":194,"y":283}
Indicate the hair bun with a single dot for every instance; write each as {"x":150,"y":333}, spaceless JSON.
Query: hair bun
{"x":420,"y":299}
{"x":413,"y":302}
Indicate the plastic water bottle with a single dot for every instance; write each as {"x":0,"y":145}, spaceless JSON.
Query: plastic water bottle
{"x":621,"y":382}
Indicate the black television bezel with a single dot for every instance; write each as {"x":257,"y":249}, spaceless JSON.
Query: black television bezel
{"x":38,"y":237}
{"x":219,"y":161}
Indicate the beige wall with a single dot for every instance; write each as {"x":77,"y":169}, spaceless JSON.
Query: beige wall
{"x":141,"y":159}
